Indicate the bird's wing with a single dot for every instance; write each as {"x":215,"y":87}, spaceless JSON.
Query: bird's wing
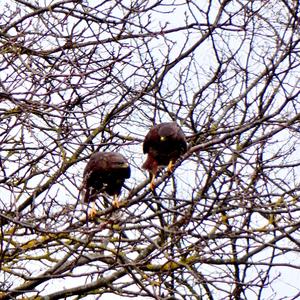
{"x":147,"y":141}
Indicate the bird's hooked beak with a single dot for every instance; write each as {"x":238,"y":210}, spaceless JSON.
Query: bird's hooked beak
{"x":124,"y":165}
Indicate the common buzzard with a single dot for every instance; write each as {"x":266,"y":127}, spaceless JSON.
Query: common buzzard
{"x":164,"y":144}
{"x":105,"y":173}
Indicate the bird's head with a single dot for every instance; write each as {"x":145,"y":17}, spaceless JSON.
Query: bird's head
{"x":123,"y":168}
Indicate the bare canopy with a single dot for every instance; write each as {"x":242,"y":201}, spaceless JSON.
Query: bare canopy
{"x":84,"y":77}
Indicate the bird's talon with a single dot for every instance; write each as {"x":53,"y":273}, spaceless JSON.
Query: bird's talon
{"x":170,"y":167}
{"x":152,"y":186}
{"x":92,"y":214}
{"x":115,"y":202}
{"x":152,"y":182}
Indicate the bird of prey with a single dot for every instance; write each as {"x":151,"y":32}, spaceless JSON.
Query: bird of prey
{"x":105,"y":173}
{"x":164,"y":144}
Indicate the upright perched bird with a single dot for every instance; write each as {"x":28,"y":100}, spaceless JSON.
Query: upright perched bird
{"x":164,"y":144}
{"x":105,"y":173}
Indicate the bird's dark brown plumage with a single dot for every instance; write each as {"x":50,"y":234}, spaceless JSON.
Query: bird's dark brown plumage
{"x":104,"y":173}
{"x":164,"y":144}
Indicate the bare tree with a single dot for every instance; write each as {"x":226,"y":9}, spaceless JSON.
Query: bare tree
{"x":85,"y":76}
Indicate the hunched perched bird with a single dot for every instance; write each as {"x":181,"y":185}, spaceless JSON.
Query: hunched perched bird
{"x":105,"y":172}
{"x":164,"y":144}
